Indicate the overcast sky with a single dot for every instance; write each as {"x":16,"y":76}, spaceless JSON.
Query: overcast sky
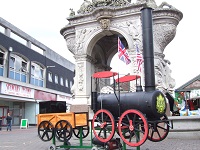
{"x":43,"y":19}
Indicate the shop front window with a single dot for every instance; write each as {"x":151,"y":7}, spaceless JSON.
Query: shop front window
{"x":18,"y":68}
{"x":37,"y":75}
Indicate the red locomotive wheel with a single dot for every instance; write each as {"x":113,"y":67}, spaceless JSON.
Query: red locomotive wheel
{"x":159,"y":130}
{"x":103,"y":125}
{"x":133,"y":123}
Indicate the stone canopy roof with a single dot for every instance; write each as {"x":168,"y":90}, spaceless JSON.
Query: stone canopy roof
{"x":89,"y":6}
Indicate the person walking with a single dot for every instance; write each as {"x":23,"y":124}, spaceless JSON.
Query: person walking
{"x":9,"y":122}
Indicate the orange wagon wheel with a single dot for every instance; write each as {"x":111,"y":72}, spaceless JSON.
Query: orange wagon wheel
{"x":133,"y":128}
{"x":81,"y":131}
{"x":63,"y":130}
{"x":103,"y":125}
{"x":45,"y":131}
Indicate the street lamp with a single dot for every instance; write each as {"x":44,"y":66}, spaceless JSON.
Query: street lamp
{"x":10,"y":49}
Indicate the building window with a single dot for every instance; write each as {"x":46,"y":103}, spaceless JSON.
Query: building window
{"x":18,"y":68}
{"x":56,"y":79}
{"x":1,"y":62}
{"x":50,"y":77}
{"x":12,"y":62}
{"x":66,"y":83}
{"x":1,"y":57}
{"x":61,"y":81}
{"x":37,"y":75}
{"x":70,"y":84}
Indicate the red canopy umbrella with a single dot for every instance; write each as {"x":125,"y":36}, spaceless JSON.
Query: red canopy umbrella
{"x":104,"y":74}
{"x":127,"y":78}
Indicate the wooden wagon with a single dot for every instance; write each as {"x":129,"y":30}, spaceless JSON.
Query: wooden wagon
{"x":62,"y":125}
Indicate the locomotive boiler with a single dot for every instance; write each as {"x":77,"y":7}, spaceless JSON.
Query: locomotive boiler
{"x":151,"y":103}
{"x":134,"y":116}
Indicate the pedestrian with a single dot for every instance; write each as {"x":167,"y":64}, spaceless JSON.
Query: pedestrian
{"x":9,"y":122}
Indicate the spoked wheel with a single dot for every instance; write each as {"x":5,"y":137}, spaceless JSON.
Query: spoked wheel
{"x":63,"y":130}
{"x":81,"y":131}
{"x":133,"y":128}
{"x":159,"y":130}
{"x":103,"y":125}
{"x":46,"y":131}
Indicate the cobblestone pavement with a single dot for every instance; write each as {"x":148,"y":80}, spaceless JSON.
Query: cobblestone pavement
{"x":27,"y":139}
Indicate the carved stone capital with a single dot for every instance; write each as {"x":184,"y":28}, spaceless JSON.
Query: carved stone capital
{"x":69,"y":35}
{"x":103,"y":67}
{"x":163,"y":35}
{"x":84,"y":58}
{"x":164,"y":27}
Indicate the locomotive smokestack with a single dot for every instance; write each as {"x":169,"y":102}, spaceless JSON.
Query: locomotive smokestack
{"x":148,"y":51}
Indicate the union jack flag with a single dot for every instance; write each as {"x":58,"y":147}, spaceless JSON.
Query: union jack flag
{"x":123,"y":53}
{"x":139,"y":59}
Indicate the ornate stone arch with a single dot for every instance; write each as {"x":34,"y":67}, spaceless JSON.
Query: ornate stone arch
{"x":91,"y":41}
{"x":95,"y":23}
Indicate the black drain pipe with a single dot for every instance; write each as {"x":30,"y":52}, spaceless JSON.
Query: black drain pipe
{"x":148,"y":51}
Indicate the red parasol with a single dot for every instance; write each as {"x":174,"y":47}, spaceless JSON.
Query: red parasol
{"x":127,"y":78}
{"x":104,"y":74}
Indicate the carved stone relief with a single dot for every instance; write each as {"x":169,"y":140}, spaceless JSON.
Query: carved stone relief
{"x":70,"y":44}
{"x":163,"y":34}
{"x":80,"y":77}
{"x":163,"y":79}
{"x":132,"y":27}
{"x":105,"y":23}
{"x":88,"y":6}
{"x":80,"y":39}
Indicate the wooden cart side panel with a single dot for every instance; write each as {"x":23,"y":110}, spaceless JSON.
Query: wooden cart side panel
{"x":81,"y":119}
{"x":47,"y":117}
{"x":55,"y":117}
{"x":67,"y":116}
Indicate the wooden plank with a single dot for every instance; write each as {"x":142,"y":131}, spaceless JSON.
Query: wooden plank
{"x":81,"y":119}
{"x":55,"y":117}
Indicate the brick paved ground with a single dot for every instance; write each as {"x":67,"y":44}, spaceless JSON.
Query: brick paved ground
{"x":27,"y":139}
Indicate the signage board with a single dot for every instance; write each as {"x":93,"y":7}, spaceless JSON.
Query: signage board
{"x":16,"y":90}
{"x":24,"y":123}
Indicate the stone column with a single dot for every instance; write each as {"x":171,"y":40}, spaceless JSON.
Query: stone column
{"x":82,"y":81}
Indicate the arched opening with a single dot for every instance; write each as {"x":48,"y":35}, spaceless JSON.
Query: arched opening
{"x":105,"y":53}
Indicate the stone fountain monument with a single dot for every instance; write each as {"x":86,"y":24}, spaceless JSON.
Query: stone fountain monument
{"x":91,"y":35}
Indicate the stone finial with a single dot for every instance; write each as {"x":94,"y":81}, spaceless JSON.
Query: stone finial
{"x":165,"y":4}
{"x":72,"y":13}
{"x":85,"y":7}
{"x":148,"y":3}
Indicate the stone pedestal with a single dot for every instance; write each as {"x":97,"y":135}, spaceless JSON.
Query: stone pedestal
{"x":185,"y":127}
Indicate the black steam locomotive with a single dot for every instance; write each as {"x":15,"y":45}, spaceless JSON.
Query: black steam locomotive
{"x":134,"y":116}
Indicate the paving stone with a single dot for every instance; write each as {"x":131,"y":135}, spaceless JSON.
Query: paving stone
{"x":28,"y":139}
